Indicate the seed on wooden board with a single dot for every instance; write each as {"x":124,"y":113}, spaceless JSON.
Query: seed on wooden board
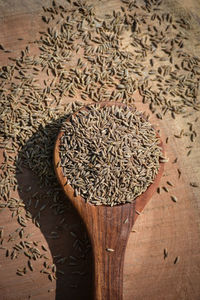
{"x":20,"y":273}
{"x":192,"y":137}
{"x":174,"y":199}
{"x":45,"y":272}
{"x":175,"y":160}
{"x":169,"y":183}
{"x":176,"y":260}
{"x":110,"y":250}
{"x":30,"y":265}
{"x":50,"y":277}
{"x":53,"y":268}
{"x":194,"y":184}
{"x":165,"y":189}
{"x":1,"y":233}
{"x":179,"y":173}
{"x":165,"y":253}
{"x":44,"y":248}
{"x":1,"y":47}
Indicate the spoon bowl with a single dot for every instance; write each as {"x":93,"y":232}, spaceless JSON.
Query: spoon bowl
{"x":108,"y":228}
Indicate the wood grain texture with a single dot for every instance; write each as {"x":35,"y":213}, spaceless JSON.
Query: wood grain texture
{"x":108,"y":228}
{"x":163,"y":224}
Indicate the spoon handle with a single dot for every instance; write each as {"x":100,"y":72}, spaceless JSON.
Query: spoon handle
{"x":109,"y":229}
{"x":108,"y":272}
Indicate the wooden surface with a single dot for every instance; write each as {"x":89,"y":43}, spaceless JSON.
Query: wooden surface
{"x":107,"y":227}
{"x":163,"y":223}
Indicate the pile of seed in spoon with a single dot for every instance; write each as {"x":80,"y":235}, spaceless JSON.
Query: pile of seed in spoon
{"x":110,"y":155}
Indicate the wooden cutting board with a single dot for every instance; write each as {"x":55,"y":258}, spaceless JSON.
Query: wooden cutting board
{"x":163,"y":224}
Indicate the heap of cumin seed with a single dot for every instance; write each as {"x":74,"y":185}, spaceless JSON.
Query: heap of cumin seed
{"x":110,"y":155}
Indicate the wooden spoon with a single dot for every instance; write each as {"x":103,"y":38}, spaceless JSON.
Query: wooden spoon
{"x":108,"y":229}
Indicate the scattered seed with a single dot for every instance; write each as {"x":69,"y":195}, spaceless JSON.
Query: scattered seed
{"x":44,"y":248}
{"x":179,"y":173}
{"x":50,"y":277}
{"x":30,"y":265}
{"x":20,"y":273}
{"x":174,"y":198}
{"x":165,"y":189}
{"x":175,"y":160}
{"x":158,"y":190}
{"x":176,"y":260}
{"x":194,"y":184}
{"x":110,"y":250}
{"x":165,"y":253}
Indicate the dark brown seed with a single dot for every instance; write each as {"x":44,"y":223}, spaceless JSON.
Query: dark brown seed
{"x":30,"y":265}
{"x":176,"y":260}
{"x":151,"y":62}
{"x":175,"y":161}
{"x":174,"y":199}
{"x":194,"y":184}
{"x":165,"y":189}
{"x":165,"y":253}
{"x":44,"y":248}
{"x":50,"y":277}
